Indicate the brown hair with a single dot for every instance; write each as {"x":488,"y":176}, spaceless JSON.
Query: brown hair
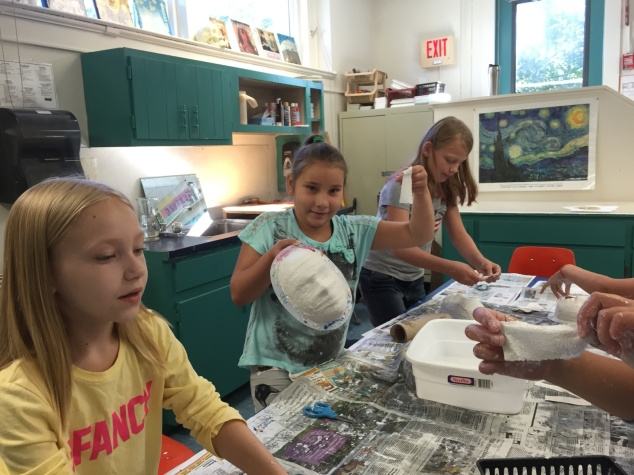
{"x":461,"y":185}
{"x":31,"y":326}
{"x":314,"y":150}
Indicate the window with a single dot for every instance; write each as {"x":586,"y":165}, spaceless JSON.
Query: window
{"x":549,"y":44}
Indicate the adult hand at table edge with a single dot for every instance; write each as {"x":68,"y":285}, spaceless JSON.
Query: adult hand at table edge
{"x":606,"y":321}
{"x":489,"y":348}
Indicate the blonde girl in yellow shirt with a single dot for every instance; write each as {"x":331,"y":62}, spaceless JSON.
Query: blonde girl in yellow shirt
{"x":85,"y":368}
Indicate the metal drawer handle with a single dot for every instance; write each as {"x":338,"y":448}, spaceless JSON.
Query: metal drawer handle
{"x":184,"y":118}
{"x":196,"y":123}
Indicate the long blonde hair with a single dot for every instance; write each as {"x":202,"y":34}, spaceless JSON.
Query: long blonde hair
{"x":31,"y":326}
{"x":460,"y":185}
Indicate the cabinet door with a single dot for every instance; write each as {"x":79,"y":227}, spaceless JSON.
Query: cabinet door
{"x":150,"y":90}
{"x":363,"y":144}
{"x":404,"y":133}
{"x":213,"y":87}
{"x":165,"y":101}
{"x":212,"y":330}
{"x":187,"y":94}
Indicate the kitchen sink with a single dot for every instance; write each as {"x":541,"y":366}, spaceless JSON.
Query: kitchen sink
{"x":225,"y":226}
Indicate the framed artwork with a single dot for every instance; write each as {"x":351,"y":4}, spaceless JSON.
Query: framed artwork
{"x":76,"y":7}
{"x":115,"y":11}
{"x":245,"y":40}
{"x":152,"y":16}
{"x":289,"y":49}
{"x":268,"y":44}
{"x":538,"y":147}
{"x":35,"y":3}
{"x":215,"y":34}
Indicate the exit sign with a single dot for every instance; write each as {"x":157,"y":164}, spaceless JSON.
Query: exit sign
{"x":437,"y":52}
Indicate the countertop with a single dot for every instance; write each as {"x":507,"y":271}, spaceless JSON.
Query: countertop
{"x":187,"y":246}
{"x":545,"y":207}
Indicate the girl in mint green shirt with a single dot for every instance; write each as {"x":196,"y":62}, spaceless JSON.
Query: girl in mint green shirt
{"x":276,"y":343}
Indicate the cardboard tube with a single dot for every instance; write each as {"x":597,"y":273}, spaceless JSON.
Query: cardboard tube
{"x":406,"y":331}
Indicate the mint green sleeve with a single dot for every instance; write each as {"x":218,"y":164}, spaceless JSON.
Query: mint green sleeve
{"x":364,"y":228}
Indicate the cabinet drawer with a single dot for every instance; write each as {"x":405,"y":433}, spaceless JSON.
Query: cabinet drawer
{"x":204,"y":269}
{"x":556,"y":232}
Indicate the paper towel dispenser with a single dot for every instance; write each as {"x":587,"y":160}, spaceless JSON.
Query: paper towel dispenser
{"x":36,"y":145}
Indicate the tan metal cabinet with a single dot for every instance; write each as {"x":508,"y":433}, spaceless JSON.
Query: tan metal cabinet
{"x":375,"y":144}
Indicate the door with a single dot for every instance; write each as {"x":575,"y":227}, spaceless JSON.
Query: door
{"x":212,"y":330}
{"x":363,"y":145}
{"x":404,"y":134}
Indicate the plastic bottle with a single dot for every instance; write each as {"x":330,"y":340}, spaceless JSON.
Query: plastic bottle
{"x":293,"y":121}
{"x":287,"y":114}
{"x":312,"y":110}
{"x":296,"y":115}
{"x":279,"y":114}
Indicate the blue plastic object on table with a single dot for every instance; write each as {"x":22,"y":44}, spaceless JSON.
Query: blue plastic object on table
{"x":321,"y":410}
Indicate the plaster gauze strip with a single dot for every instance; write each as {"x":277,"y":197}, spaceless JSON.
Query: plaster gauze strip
{"x":526,"y":342}
{"x":406,"y":187}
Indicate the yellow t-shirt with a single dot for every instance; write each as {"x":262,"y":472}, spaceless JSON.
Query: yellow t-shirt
{"x":115,"y":417}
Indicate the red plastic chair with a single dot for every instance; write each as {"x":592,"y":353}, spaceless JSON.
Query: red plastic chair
{"x":172,"y":455}
{"x":540,"y":261}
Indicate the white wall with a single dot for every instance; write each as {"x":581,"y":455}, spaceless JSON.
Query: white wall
{"x":400,"y":25}
{"x":344,"y":40}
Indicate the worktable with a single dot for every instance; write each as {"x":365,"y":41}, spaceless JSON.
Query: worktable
{"x":397,"y":433}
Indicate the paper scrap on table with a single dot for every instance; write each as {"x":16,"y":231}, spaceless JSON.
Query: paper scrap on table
{"x":406,"y":187}
{"x":568,"y":400}
{"x":571,"y":399}
{"x":591,"y":209}
{"x":530,"y":307}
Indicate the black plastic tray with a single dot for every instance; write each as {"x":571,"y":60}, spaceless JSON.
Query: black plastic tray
{"x":589,"y":465}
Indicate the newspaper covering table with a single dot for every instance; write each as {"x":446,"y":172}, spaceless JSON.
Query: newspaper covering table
{"x":397,"y":433}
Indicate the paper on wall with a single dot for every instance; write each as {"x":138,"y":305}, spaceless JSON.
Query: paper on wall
{"x":27,"y":85}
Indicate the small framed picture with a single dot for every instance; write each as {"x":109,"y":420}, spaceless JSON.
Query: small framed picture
{"x":76,"y":7}
{"x":116,"y":11}
{"x":289,"y":49}
{"x":245,"y":40}
{"x":152,"y":16}
{"x":268,"y":44}
{"x":214,"y":34}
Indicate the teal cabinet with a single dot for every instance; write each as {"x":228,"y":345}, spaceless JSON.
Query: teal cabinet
{"x":136,"y":98}
{"x":193,"y":294}
{"x":213,"y":329}
{"x":602,"y":243}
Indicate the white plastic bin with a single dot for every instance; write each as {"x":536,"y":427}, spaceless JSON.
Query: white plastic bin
{"x":447,"y":371}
